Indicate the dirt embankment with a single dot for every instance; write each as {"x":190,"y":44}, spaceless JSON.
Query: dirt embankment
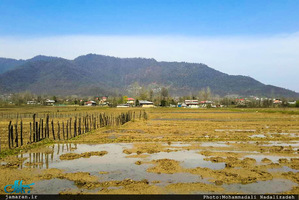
{"x":73,"y":156}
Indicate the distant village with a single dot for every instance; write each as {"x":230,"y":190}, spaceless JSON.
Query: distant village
{"x":162,"y":101}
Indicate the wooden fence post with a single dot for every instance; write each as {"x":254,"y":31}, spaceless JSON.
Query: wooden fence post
{"x":17,"y":138}
{"x":53,"y":132}
{"x":21,"y":126}
{"x":36,"y":131}
{"x":58,"y":132}
{"x":47,"y":126}
{"x":75,"y":127}
{"x":40,"y":129}
{"x":39,"y":135}
{"x":42,"y":122}
{"x":79,"y":126}
{"x":90,"y":124}
{"x":30,"y":133}
{"x":34,"y":127}
{"x":70,"y":127}
{"x":9,"y":133}
{"x":63,"y":131}
{"x":67,"y":129}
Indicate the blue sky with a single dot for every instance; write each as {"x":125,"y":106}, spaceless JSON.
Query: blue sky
{"x":148,"y":17}
{"x":258,"y":38}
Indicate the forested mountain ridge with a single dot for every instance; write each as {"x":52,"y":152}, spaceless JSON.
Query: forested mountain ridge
{"x":104,"y":75}
{"x":8,"y":64}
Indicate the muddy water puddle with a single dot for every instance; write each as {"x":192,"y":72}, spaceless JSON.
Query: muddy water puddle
{"x":279,"y":143}
{"x":215,"y":144}
{"x":53,"y":186}
{"x":116,"y":165}
{"x":258,"y":136}
{"x":283,"y":169}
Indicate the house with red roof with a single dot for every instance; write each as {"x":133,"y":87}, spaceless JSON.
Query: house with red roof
{"x":131,"y":101}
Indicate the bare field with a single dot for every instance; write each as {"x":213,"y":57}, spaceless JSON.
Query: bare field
{"x":205,"y":125}
{"x":174,"y":151}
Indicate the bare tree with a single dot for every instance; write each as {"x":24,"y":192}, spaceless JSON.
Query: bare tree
{"x":164,"y":93}
{"x":205,"y":94}
{"x":151,"y":95}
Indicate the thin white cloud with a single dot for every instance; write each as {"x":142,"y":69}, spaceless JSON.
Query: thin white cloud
{"x":271,"y":60}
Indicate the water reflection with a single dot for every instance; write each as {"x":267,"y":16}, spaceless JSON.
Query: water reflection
{"x":42,"y":159}
{"x":119,"y":167}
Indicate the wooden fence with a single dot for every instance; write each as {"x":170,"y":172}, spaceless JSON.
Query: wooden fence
{"x":41,"y":128}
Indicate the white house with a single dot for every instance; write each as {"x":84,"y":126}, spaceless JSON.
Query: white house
{"x":191,"y":103}
{"x":146,"y":104}
{"x":50,"y":102}
{"x":91,"y":103}
{"x":31,"y":102}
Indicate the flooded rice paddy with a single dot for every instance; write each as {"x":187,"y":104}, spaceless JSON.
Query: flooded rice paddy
{"x":207,"y":167}
{"x":173,"y":152}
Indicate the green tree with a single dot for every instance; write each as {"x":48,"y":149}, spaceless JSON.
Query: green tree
{"x":163,"y":103}
{"x":114,"y":102}
{"x":54,"y":98}
{"x":173,"y":102}
{"x":137,"y":102}
{"x":297,"y":103}
{"x":120,"y":100}
{"x":125,"y":99}
{"x":39,"y":99}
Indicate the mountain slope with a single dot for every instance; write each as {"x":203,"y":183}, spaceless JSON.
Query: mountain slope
{"x":8,"y":64}
{"x":103,"y":75}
